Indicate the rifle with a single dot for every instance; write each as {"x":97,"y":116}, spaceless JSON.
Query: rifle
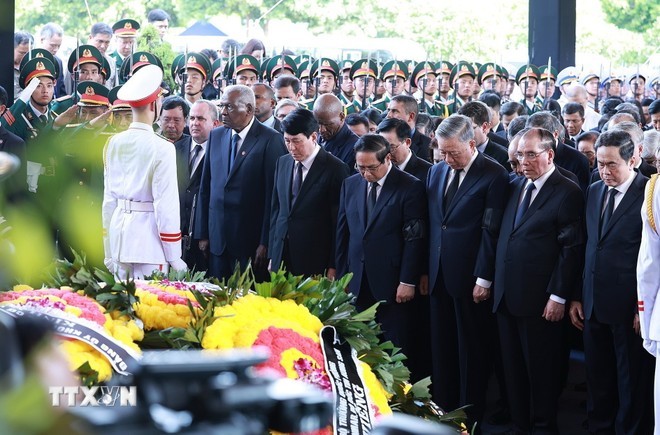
{"x":234,"y":76}
{"x":184,"y":73}
{"x":396,"y":76}
{"x":318,"y":78}
{"x":187,"y":239}
{"x":425,"y":80}
{"x":526,"y":86}
{"x":76,"y":72}
{"x":598,"y":89}
{"x":547,"y":86}
{"x":366,"y":81}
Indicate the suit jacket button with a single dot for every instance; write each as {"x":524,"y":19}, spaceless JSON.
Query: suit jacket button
{"x":444,"y":227}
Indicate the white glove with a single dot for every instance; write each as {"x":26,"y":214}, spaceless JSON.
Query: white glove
{"x":110,"y":264}
{"x":651,"y":346}
{"x":25,"y":95}
{"x":178,"y":264}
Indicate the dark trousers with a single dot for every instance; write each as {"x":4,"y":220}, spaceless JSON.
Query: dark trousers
{"x":222,"y":266}
{"x":531,"y":353}
{"x":476,"y":332}
{"x":619,"y":376}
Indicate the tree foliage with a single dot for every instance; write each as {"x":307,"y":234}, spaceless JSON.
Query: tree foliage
{"x":635,"y":15}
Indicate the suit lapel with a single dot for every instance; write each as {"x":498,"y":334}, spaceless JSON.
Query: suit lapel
{"x":544,"y":194}
{"x":361,"y":199}
{"x":442,"y":186}
{"x":287,"y":173}
{"x":470,"y":178}
{"x":248,"y":144}
{"x":313,"y":174}
{"x":634,"y":191}
{"x":385,"y":193}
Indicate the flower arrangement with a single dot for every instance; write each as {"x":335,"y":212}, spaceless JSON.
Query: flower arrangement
{"x":72,"y":305}
{"x":164,"y":304}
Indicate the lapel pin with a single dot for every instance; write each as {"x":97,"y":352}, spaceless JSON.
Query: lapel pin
{"x":242,"y":153}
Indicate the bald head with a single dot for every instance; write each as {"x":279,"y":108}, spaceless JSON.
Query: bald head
{"x":576,"y":93}
{"x":329,"y":113}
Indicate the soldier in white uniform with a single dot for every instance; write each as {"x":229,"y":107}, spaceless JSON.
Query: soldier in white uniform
{"x":648,"y":281}
{"x":141,"y":225}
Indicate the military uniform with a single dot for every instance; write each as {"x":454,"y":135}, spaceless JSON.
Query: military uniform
{"x":454,"y":103}
{"x":362,"y":68}
{"x":125,"y":28}
{"x":527,"y":72}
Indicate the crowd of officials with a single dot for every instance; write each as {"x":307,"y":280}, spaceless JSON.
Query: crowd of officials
{"x":485,"y":210}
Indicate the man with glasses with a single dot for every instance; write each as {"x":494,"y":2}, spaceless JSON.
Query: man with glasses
{"x":466,"y":194}
{"x":381,"y":229}
{"x":539,"y":258}
{"x":397,"y":134}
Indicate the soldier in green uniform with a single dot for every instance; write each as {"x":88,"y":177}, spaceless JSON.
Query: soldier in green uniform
{"x":244,"y":69}
{"x":462,"y":79}
{"x":547,"y":81}
{"x":345,"y":83}
{"x":306,"y":83}
{"x":363,"y":75}
{"x":423,"y":77}
{"x":393,"y":74}
{"x":277,"y":66}
{"x":488,"y":77}
{"x":324,"y":74}
{"x":527,"y":78}
{"x":136,"y":61}
{"x":197,"y":67}
{"x":443,"y":73}
{"x":85,"y":64}
{"x":125,"y":32}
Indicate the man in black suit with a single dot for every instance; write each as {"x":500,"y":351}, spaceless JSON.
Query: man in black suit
{"x":539,"y":258}
{"x":381,"y":236}
{"x":264,"y":110}
{"x":405,"y":108}
{"x":397,"y":134}
{"x":617,"y":365}
{"x":303,"y":217}
{"x":478,"y":113}
{"x":467,"y":193}
{"x":233,"y":210}
{"x":336,"y":137}
{"x":564,"y":155}
{"x":190,"y":153}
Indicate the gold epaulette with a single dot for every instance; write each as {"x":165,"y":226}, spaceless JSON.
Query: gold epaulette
{"x":73,"y":125}
{"x":649,"y":202}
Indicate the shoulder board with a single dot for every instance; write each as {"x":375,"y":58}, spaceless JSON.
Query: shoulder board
{"x":72,"y":125}
{"x":380,"y":100}
{"x":64,"y":98}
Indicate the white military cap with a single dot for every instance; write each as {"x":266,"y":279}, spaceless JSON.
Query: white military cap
{"x":143,"y":87}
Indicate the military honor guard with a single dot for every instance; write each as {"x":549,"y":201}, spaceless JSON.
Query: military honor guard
{"x":424,"y":79}
{"x":393,"y":75}
{"x":364,"y":73}
{"x":462,"y":81}
{"x":527,"y":78}
{"x":125,"y":32}
{"x":443,"y":72}
{"x":345,"y":83}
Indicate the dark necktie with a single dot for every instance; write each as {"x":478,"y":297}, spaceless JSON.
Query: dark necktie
{"x":234,"y":149}
{"x":524,"y":205}
{"x":193,"y":158}
{"x":371,"y":200}
{"x":452,"y":189}
{"x":297,"y":181}
{"x":609,"y":210}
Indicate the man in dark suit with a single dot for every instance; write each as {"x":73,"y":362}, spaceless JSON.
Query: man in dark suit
{"x":617,"y":365}
{"x":405,"y":108}
{"x":397,"y":134}
{"x":303,"y":218}
{"x":564,"y":155}
{"x":478,"y":113}
{"x":467,"y":193}
{"x":233,"y":210}
{"x":539,"y":258}
{"x":336,"y":137}
{"x":190,"y":153}
{"x":380,"y":237}
{"x":264,"y":110}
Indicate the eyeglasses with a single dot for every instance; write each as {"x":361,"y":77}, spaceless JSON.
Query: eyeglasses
{"x":363,"y":169}
{"x":529,"y":155}
{"x":452,"y":154}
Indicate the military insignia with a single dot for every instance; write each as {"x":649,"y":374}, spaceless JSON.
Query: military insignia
{"x":464,"y":68}
{"x":490,"y":68}
{"x":325,"y":63}
{"x":40,"y":66}
{"x":143,"y":58}
{"x":89,"y":90}
{"x":39,"y":55}
{"x":87,"y":53}
{"x":364,"y":65}
{"x":529,"y":70}
{"x":128,"y":25}
{"x":192,"y":59}
{"x":246,"y":61}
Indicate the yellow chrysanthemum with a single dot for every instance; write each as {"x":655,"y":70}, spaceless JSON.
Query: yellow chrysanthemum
{"x":79,"y":353}
{"x":376,"y":391}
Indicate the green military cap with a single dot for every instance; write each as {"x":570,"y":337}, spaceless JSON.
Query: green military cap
{"x":92,"y":94}
{"x":345,"y":64}
{"x":326,"y":65}
{"x":278,"y":64}
{"x":85,"y":54}
{"x":105,"y":69}
{"x":477,"y":66}
{"x":394,"y":68}
{"x":198,"y":62}
{"x":422,"y":69}
{"x":303,"y":70}
{"x":242,"y":62}
{"x":504,"y":72}
{"x":125,"y":28}
{"x":36,"y":67}
{"x":303,"y":58}
{"x":177,"y":64}
{"x":527,"y":72}
{"x":137,"y":61}
{"x":546,"y":73}
{"x":364,"y":67}
{"x":462,"y":68}
{"x":586,"y":76}
{"x":40,"y":52}
{"x":217,"y":69}
{"x":115,"y":101}
{"x":655,"y":81}
{"x":443,"y":67}
{"x":487,"y":71}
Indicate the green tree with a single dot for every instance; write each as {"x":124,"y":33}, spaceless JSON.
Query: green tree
{"x":149,"y":41}
{"x":634,"y":15}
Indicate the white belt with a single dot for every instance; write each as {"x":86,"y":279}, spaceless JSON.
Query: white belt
{"x":130,"y":206}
